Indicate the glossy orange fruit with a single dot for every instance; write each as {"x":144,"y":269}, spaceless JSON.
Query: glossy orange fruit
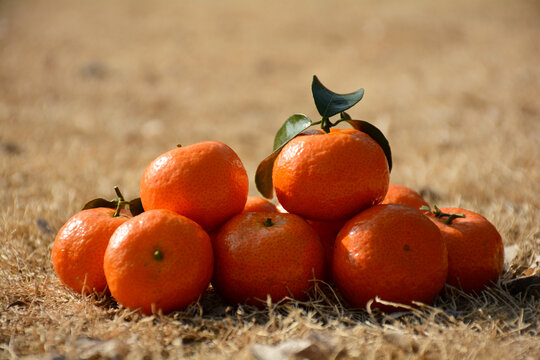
{"x":328,"y":231}
{"x":330,"y":176}
{"x":402,"y":195}
{"x":266,"y":253}
{"x":475,"y":249}
{"x":205,"y":181}
{"x":158,"y":260}
{"x":390,"y":252}
{"x":259,"y":204}
{"x":77,"y":252}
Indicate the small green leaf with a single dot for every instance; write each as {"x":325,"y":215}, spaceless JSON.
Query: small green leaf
{"x":329,"y":103}
{"x":135,"y":206}
{"x":293,"y":126}
{"x":100,"y":202}
{"x":376,"y":135}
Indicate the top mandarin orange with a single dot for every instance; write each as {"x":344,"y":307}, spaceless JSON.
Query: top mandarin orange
{"x":330,"y":176}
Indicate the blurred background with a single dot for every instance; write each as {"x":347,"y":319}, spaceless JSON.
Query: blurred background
{"x":91,"y":91}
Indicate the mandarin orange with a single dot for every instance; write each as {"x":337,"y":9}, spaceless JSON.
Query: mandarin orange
{"x":266,"y":253}
{"x":79,"y":247}
{"x":390,"y":252}
{"x":328,"y":231}
{"x":402,"y":195}
{"x":205,"y":181}
{"x":259,"y":204}
{"x":158,"y":260}
{"x":330,"y":176}
{"x":475,"y":248}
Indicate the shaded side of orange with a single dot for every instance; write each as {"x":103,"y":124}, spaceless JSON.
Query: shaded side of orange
{"x":253,"y":260}
{"x":138,"y":280}
{"x":79,"y":247}
{"x":328,"y":231}
{"x":475,"y":250}
{"x":205,"y":181}
{"x":330,"y":176}
{"x":402,"y":195}
{"x":390,"y":252}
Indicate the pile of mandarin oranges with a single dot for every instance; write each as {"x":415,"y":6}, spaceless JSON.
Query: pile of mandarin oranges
{"x":338,"y":220}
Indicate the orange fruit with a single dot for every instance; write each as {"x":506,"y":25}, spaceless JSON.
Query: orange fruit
{"x":259,"y":204}
{"x":79,"y":246}
{"x":390,"y":252}
{"x":205,"y":181}
{"x":266,"y":253}
{"x":158,"y":260}
{"x":475,"y":249}
{"x":402,"y":195}
{"x":328,"y":231}
{"x":330,"y":176}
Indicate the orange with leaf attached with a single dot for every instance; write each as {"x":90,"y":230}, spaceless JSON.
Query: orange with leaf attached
{"x":330,"y":176}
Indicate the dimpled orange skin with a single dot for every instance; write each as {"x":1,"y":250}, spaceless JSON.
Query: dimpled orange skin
{"x":390,"y":252}
{"x":330,"y":176}
{"x":77,"y":252}
{"x":475,"y":250}
{"x":327,"y":231}
{"x":402,"y":195}
{"x":252,"y":260}
{"x":259,"y":204}
{"x":205,"y":181}
{"x":138,"y":280}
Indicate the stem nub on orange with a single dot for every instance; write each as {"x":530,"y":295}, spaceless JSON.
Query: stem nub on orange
{"x":390,"y":252}
{"x":475,"y":248}
{"x":158,"y":260}
{"x":330,"y":176}
{"x":266,"y":253}
{"x":77,"y":253}
{"x":205,"y":181}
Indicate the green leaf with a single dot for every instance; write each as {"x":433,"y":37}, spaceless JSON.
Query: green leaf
{"x":100,"y":202}
{"x":376,"y":135}
{"x":135,"y":206}
{"x":293,"y":126}
{"x":329,"y":103}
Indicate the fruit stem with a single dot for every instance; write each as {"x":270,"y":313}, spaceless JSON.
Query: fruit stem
{"x":121,"y":201}
{"x":438,"y":213}
{"x":158,"y":255}
{"x":268,"y":222}
{"x":118,"y":193}
{"x":326,"y":124}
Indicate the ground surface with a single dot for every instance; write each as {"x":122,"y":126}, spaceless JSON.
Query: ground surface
{"x":90,"y":92}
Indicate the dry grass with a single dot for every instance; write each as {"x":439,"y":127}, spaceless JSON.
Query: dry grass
{"x":91,"y":92}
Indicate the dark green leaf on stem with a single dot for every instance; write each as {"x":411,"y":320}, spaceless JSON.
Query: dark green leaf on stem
{"x":329,"y":103}
{"x":100,"y":202}
{"x":135,"y":206}
{"x":376,"y":135}
{"x":293,"y":126}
